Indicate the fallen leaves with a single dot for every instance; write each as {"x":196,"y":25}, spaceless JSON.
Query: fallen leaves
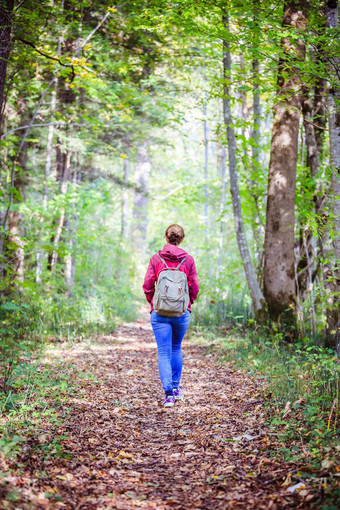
{"x":124,"y":455}
{"x":124,"y":451}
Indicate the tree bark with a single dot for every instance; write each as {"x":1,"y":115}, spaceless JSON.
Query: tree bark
{"x":253,"y":285}
{"x":6,"y":10}
{"x":313,"y":156}
{"x":307,"y":257}
{"x":252,"y":164}
{"x":311,"y":248}
{"x":320,"y":112}
{"x":68,"y":273}
{"x":333,"y":311}
{"x":279,"y":265}
{"x":16,"y":232}
{"x":258,"y":227}
{"x":256,"y":132}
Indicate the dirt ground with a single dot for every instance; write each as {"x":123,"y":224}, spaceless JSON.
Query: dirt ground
{"x":122,"y":449}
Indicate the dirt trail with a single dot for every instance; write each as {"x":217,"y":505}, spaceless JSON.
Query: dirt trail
{"x":126,"y":451}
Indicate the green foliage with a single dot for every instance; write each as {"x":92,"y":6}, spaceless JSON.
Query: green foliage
{"x":18,"y":337}
{"x":142,"y":77}
{"x":223,"y":314}
{"x":39,"y":390}
{"x":301,"y":383}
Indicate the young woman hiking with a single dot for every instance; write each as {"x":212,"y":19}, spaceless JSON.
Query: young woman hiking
{"x":171,"y":322}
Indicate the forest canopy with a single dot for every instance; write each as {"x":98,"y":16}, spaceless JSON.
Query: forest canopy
{"x":116,"y":119}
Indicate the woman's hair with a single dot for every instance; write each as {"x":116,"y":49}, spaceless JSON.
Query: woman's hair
{"x":175,"y":234}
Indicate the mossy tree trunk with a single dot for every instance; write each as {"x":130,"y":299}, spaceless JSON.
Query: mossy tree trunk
{"x":279,"y":265}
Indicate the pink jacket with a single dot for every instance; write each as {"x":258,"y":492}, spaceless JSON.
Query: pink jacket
{"x":172,"y":255}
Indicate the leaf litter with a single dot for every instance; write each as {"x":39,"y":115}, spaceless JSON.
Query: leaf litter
{"x":120,"y":449}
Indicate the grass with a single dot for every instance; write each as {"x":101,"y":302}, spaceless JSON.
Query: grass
{"x":299,"y":379}
{"x":302,"y":375}
{"x":39,"y":397}
{"x":300,"y":384}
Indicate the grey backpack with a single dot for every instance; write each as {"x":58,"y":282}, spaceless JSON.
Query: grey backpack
{"x":171,"y":298}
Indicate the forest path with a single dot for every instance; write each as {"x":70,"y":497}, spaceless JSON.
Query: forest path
{"x":126,"y":451}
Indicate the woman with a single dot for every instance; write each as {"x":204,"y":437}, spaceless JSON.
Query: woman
{"x":169,"y":331}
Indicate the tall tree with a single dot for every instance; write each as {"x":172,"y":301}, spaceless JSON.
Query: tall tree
{"x":256,"y":137}
{"x":15,"y":216}
{"x":140,"y":211}
{"x":125,"y":198}
{"x":333,"y":312}
{"x":206,"y":170}
{"x":6,"y":11}
{"x":222,"y":166}
{"x":279,"y":264}
{"x":253,"y":285}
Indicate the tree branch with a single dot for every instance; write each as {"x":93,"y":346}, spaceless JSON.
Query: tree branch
{"x":92,"y":33}
{"x":56,"y":59}
{"x":20,"y":149}
{"x":28,"y":127}
{"x":43,"y":124}
{"x":19,"y":5}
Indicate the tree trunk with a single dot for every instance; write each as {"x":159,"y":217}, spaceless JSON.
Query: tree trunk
{"x":141,"y":202}
{"x":256,"y":136}
{"x":256,"y":132}
{"x":125,"y":199}
{"x":252,"y":165}
{"x":65,"y":178}
{"x":333,"y":312}
{"x":320,"y":112}
{"x":254,"y":288}
{"x":311,"y":249}
{"x":307,"y":258}
{"x":222,"y":165}
{"x":16,"y":232}
{"x":68,"y":257}
{"x":313,"y":156}
{"x":279,"y":264}
{"x":71,"y":228}
{"x":206,"y":173}
{"x":48,"y":162}
{"x":15,"y":255}
{"x":66,"y":98}
{"x":6,"y":11}
{"x":258,"y":227}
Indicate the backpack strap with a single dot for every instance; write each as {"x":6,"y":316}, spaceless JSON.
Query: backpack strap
{"x":179,"y":265}
{"x":164,"y":261}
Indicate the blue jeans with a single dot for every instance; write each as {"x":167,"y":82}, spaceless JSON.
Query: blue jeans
{"x":169,"y":333}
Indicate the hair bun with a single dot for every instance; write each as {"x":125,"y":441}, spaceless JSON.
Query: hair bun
{"x":174,"y":237}
{"x":175,"y":234}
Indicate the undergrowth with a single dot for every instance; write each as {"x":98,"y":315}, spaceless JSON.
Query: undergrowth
{"x":39,"y":397}
{"x":35,"y":402}
{"x":301,"y":381}
{"x":29,"y":321}
{"x":300,"y":385}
